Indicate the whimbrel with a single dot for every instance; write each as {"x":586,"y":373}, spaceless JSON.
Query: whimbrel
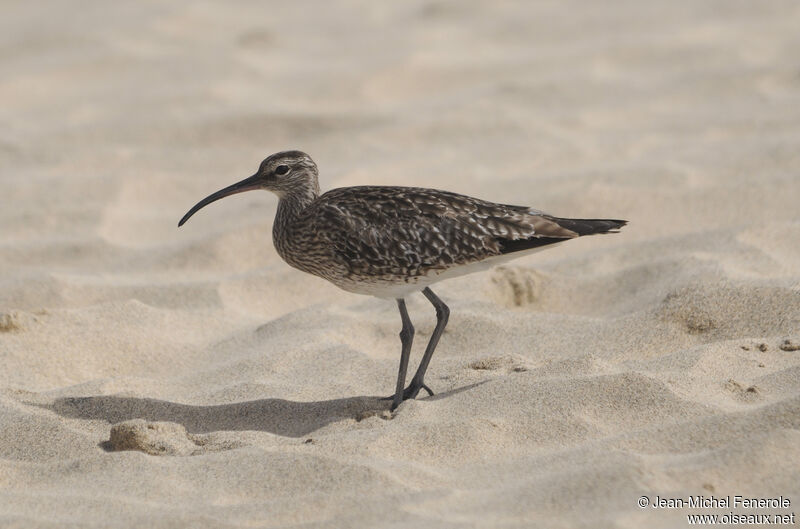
{"x":389,"y":242}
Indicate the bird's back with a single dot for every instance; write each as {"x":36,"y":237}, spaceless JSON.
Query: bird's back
{"x":379,"y":236}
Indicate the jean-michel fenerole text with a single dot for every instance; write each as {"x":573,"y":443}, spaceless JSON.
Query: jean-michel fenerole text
{"x":720,"y":502}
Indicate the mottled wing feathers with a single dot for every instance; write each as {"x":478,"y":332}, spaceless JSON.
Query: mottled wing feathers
{"x":401,"y":231}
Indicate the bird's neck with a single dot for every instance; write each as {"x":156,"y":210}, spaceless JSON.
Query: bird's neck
{"x":290,"y":206}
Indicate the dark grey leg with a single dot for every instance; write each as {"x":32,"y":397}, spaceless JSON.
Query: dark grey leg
{"x":406,"y":338}
{"x":442,"y":315}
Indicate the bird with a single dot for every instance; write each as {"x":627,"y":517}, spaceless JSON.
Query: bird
{"x":392,"y":241}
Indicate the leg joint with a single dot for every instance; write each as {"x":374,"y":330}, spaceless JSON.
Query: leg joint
{"x":407,"y":332}
{"x":443,"y":313}
{"x":442,"y":310}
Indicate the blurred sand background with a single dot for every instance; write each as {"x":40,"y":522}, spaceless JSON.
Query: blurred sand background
{"x":658,"y":361}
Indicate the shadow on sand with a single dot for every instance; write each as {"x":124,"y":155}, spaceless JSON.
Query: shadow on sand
{"x":278,"y":416}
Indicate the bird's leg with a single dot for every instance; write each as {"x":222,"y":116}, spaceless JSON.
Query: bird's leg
{"x":406,"y":338}
{"x":442,"y":314}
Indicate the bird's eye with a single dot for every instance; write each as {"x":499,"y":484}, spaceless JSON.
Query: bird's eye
{"x":281,"y":170}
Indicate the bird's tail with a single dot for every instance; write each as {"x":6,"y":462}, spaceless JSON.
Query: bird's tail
{"x":590,"y":226}
{"x":578,"y":226}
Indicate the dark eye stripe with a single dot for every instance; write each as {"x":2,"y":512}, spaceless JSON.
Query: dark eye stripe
{"x":281,"y":170}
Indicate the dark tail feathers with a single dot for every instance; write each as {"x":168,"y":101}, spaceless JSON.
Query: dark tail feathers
{"x":579,"y":226}
{"x":591,"y":226}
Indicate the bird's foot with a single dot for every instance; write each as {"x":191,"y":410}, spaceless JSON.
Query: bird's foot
{"x":410,"y":392}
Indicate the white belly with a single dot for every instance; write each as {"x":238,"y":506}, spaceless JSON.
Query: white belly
{"x":401,"y":288}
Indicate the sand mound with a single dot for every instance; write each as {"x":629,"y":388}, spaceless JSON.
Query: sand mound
{"x":154,"y":438}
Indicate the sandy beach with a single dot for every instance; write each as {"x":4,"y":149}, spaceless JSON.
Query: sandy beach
{"x":189,"y":378}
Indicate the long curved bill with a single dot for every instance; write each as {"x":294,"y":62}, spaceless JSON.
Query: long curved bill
{"x":248,"y":184}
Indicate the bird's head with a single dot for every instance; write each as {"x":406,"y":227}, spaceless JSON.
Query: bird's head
{"x":288,"y":174}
